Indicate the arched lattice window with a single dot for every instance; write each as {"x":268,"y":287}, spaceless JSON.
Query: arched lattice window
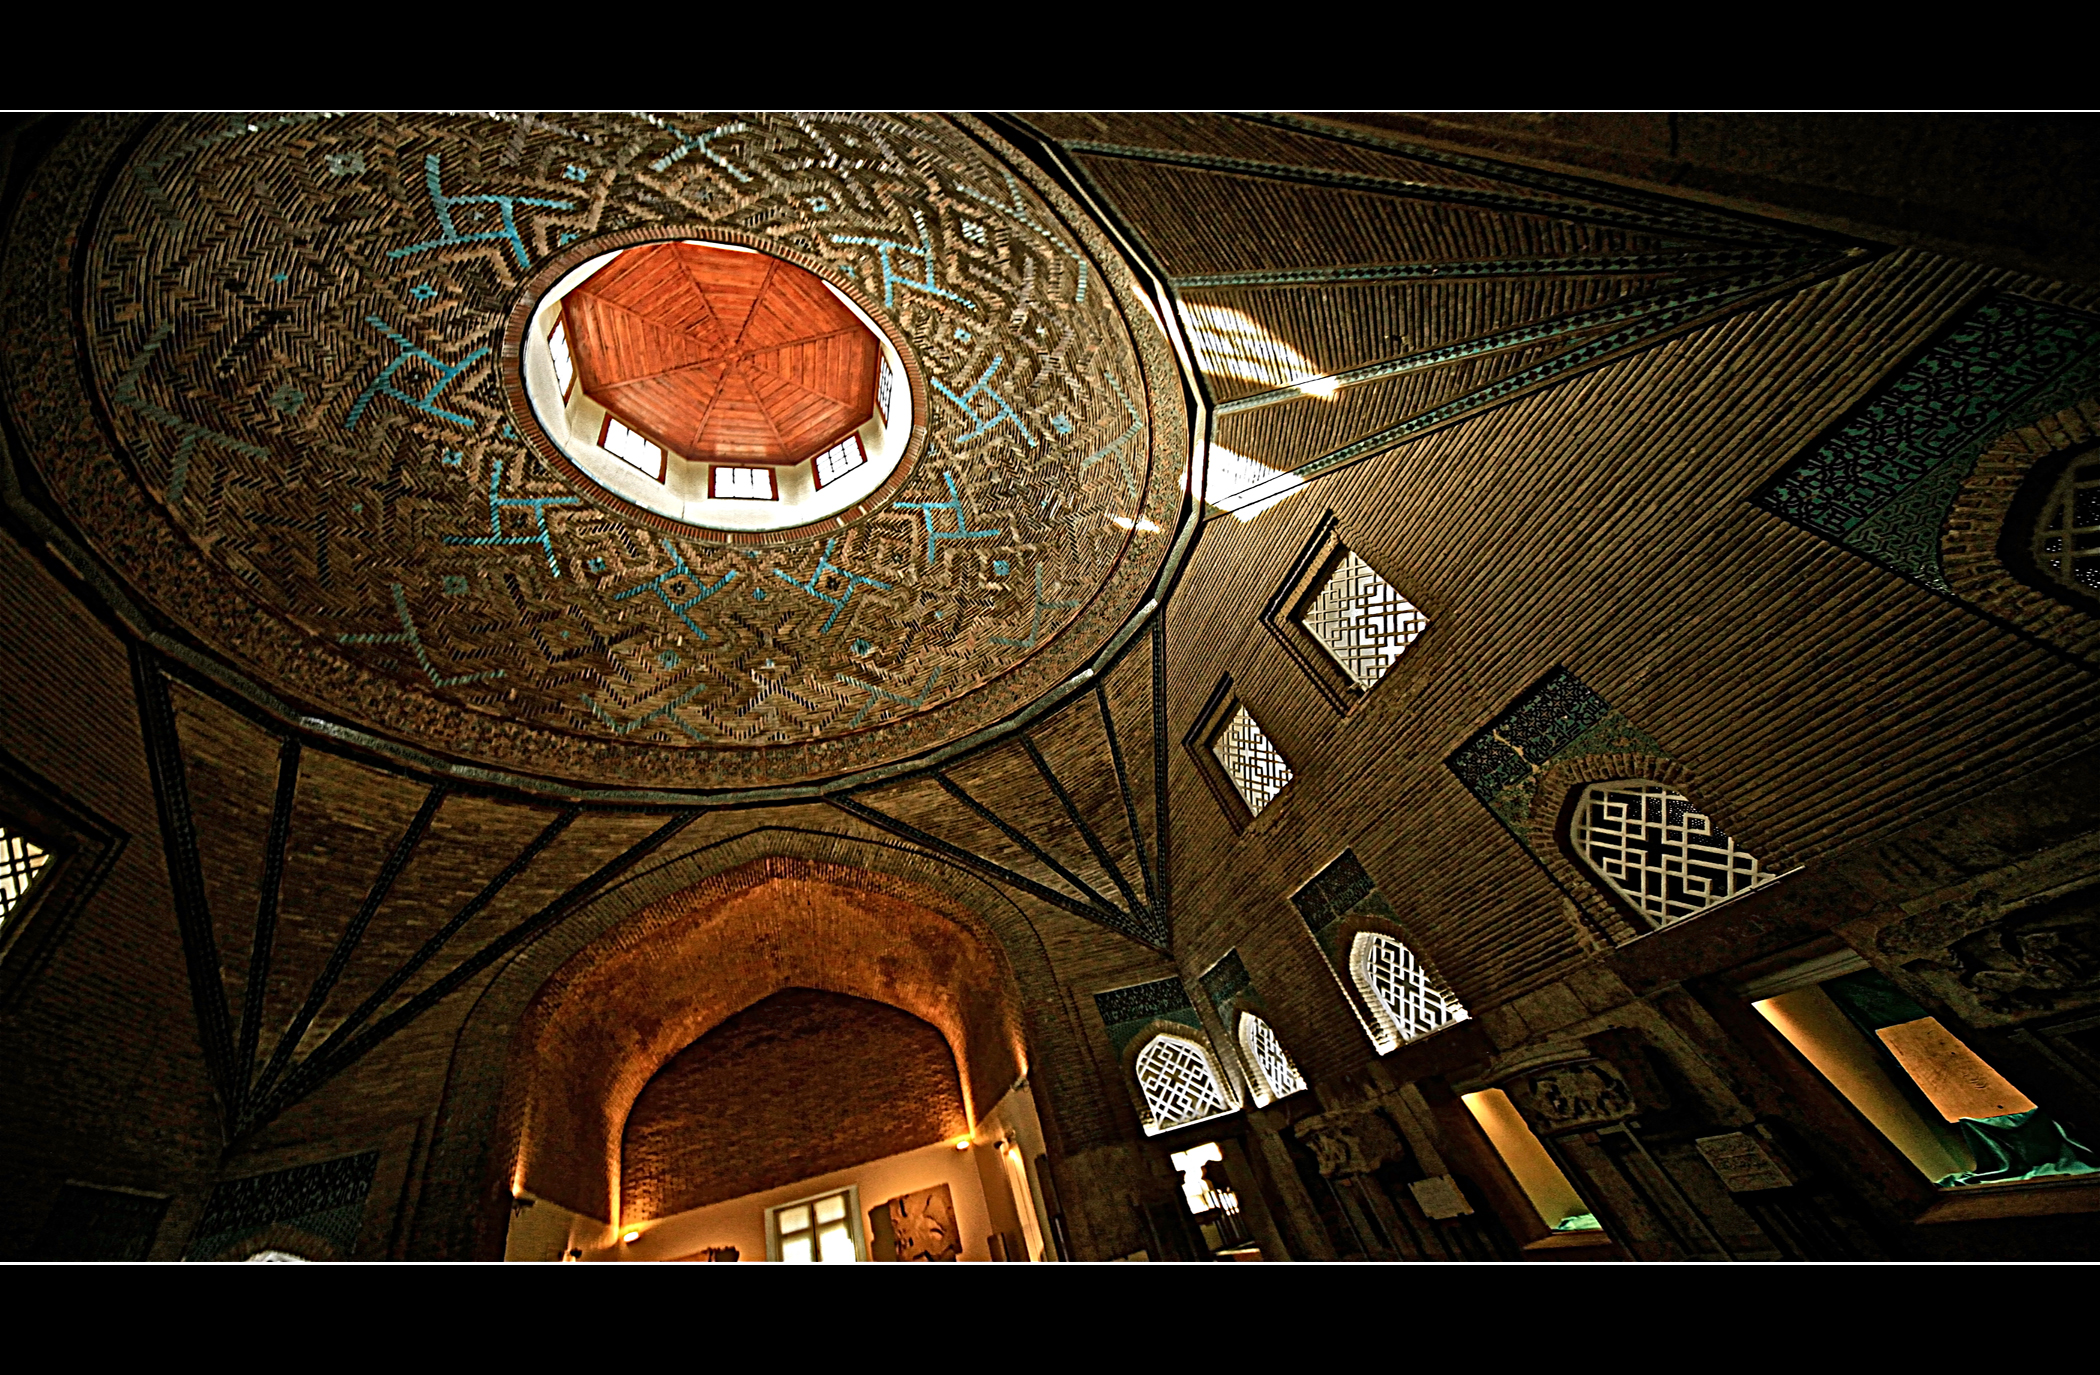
{"x":1658,"y":850}
{"x":1393,"y":980}
{"x":1362,"y":620}
{"x":1178,"y":1083}
{"x":2067,"y":536}
{"x":1274,"y":1074}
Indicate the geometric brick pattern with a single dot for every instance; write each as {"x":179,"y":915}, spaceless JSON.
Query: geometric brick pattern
{"x":1332,"y":893}
{"x":295,"y":332}
{"x":1558,"y":717}
{"x":1143,"y":1002}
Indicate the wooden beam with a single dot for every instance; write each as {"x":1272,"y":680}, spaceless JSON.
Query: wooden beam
{"x":315,"y":1070}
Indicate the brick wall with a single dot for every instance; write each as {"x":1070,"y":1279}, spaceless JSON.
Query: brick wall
{"x":798,"y":1085}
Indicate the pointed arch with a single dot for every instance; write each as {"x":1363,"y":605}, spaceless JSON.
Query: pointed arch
{"x":1181,"y":1082}
{"x":1270,"y":1070}
{"x":1398,"y":989}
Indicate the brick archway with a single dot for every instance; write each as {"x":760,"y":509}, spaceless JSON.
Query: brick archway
{"x":621,"y":1007}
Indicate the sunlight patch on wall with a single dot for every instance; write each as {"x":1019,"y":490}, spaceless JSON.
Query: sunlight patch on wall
{"x":1244,"y":486}
{"x":1232,"y":344}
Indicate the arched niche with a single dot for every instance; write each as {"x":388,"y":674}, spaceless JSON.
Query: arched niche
{"x":619,"y":1009}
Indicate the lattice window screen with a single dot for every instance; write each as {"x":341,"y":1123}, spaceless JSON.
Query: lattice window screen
{"x":1250,"y":761}
{"x":1658,"y":851}
{"x":1271,"y":1064}
{"x":20,"y":861}
{"x":1362,"y":620}
{"x":1389,"y":972}
{"x":1177,"y":1083}
{"x":2067,"y":537}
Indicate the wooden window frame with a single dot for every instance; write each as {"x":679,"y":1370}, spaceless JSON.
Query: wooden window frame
{"x":855,"y":1221}
{"x":816,"y":471}
{"x":713,"y":479}
{"x":663,"y":455}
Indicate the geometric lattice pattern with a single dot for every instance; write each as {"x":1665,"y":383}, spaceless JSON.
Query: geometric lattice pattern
{"x":1362,"y":620}
{"x":1658,"y":851}
{"x":1558,"y":717}
{"x":2067,"y":537}
{"x":1263,"y":1051}
{"x":1175,"y":1077}
{"x":1250,"y":761}
{"x":1390,"y":975}
{"x":20,"y":861}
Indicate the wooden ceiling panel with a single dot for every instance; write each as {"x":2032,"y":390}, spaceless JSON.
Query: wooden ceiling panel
{"x":722,"y":355}
{"x":841,"y":366}
{"x":612,"y":345}
{"x":739,"y":427}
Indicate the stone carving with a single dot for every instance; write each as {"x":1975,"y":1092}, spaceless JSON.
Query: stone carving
{"x":923,"y":1224}
{"x":1350,"y":1144}
{"x":2025,"y":963}
{"x":1744,"y":1163}
{"x":1571,"y":1097}
{"x":1439,"y":1197}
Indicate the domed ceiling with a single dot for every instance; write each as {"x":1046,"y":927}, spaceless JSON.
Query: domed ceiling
{"x":310,"y":452}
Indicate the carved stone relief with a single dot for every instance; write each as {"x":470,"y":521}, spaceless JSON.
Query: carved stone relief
{"x":1571,"y":1097}
{"x":1999,"y":964}
{"x":1351,"y":1143}
{"x":922,"y":1225}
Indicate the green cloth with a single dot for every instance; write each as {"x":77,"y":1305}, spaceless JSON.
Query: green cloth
{"x":1579,"y":1222}
{"x":2020,"y":1145}
{"x":1872,"y":1001}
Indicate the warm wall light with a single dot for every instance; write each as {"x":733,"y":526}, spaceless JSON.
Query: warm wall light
{"x":632,"y":1237}
{"x":963,"y":1144}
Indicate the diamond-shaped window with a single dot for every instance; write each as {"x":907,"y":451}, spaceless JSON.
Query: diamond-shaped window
{"x":1362,"y":620}
{"x":1254,"y":765}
